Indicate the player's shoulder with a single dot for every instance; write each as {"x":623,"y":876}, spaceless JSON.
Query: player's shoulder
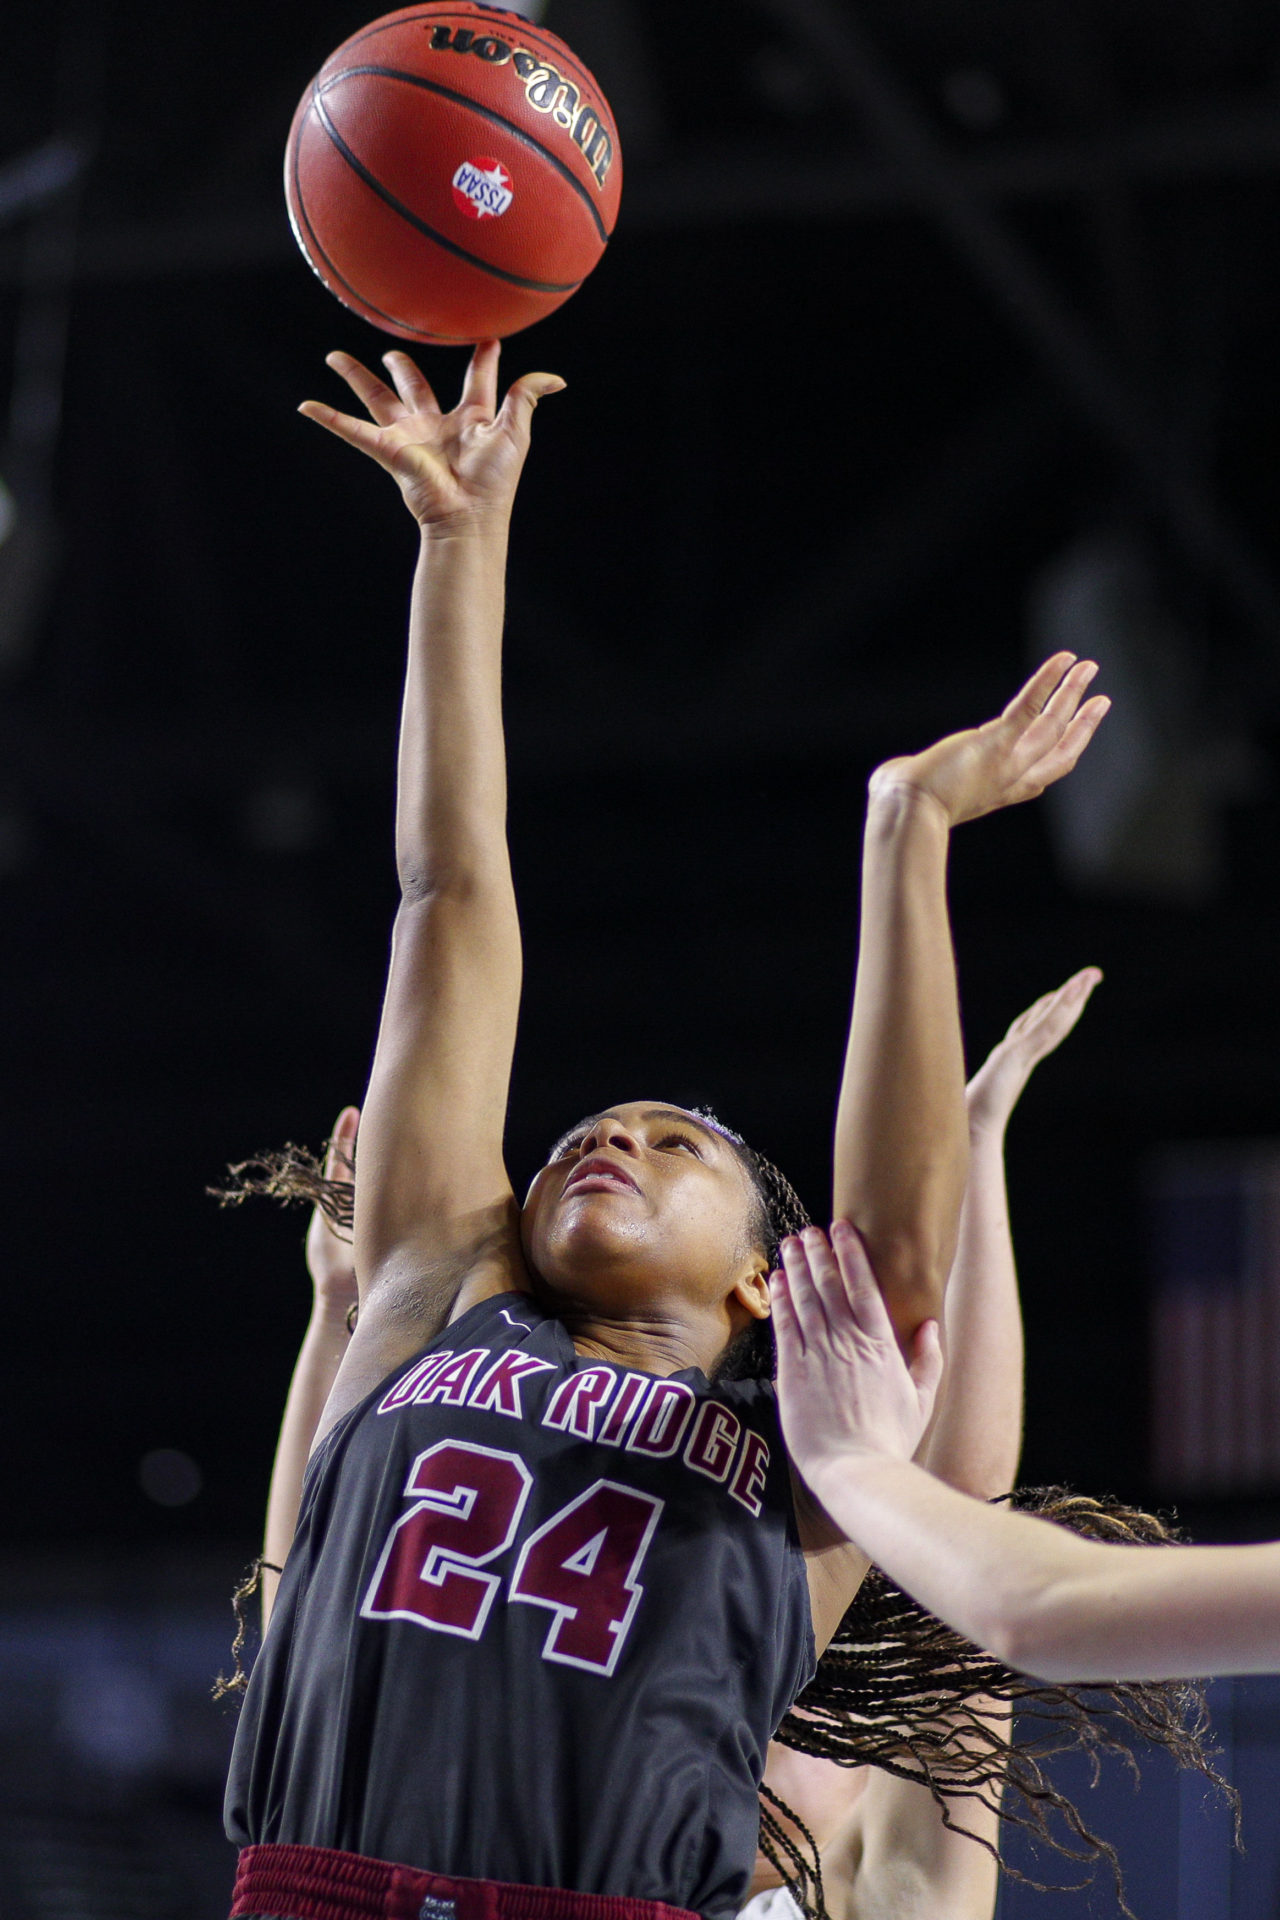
{"x":503,"y":1311}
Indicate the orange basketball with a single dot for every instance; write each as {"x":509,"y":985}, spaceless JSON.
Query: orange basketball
{"x":453,"y":172}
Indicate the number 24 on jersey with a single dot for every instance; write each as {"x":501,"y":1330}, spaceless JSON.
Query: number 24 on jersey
{"x":582,"y":1564}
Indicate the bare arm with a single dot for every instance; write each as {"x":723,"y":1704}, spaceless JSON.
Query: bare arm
{"x":908,"y":1865}
{"x":895,"y":1859}
{"x":975,"y":1438}
{"x":901,"y":1144}
{"x":434,"y":1207}
{"x":1050,"y":1604}
{"x":331,"y":1264}
{"x":1039,"y":1598}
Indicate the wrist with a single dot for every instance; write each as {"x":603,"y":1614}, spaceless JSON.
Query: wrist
{"x":896,"y":805}
{"x":841,"y":1470}
{"x":472,"y":528}
{"x":987,"y":1128}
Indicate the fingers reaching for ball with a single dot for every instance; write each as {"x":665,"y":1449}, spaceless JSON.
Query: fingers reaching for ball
{"x":480,"y":388}
{"x":452,"y":468}
{"x":384,"y":406}
{"x":523,"y":397}
{"x":411,"y":383}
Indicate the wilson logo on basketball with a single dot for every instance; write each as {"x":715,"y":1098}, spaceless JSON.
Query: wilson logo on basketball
{"x":482,"y":189}
{"x":546,"y":89}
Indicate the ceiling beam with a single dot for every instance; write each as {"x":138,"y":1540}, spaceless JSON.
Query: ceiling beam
{"x":885,"y":111}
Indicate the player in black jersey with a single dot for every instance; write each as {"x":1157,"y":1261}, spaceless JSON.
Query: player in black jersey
{"x":551,"y":1591}
{"x":883,"y":1844}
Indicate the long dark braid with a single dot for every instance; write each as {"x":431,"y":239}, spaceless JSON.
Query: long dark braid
{"x":237,"y":1680}
{"x":779,"y":1211}
{"x":899,"y":1690}
{"x":802,"y":1874}
{"x":291,"y":1175}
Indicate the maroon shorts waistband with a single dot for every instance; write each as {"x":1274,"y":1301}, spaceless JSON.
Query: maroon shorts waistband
{"x":320,"y":1883}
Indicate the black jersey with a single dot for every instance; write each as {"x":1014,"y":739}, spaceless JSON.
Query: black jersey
{"x":540,"y":1618}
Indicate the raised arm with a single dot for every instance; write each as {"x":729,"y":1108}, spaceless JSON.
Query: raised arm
{"x":901,"y":1144}
{"x":974,"y":1440}
{"x":434,"y":1207}
{"x":1038,"y":1598}
{"x":331,"y":1264}
{"x":895,"y":1856}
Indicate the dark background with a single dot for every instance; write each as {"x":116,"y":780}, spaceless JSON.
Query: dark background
{"x":922,"y":320}
{"x":904,"y":304}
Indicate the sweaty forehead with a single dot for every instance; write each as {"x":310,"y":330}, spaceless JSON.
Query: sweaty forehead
{"x":646,"y":1112}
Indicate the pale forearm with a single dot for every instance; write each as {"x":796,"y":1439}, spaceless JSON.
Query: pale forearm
{"x":901,"y":1144}
{"x":1048,"y":1603}
{"x":451,"y":794}
{"x":315,"y":1370}
{"x":976,"y":1438}
{"x":911,"y":1865}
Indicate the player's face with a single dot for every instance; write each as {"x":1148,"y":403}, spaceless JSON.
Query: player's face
{"x":640,"y":1204}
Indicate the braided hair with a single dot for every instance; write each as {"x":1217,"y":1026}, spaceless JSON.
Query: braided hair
{"x":294,"y":1176}
{"x":899,"y":1690}
{"x":777,"y":1211}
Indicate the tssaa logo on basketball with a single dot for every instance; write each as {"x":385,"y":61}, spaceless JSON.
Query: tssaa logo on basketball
{"x":482,"y":189}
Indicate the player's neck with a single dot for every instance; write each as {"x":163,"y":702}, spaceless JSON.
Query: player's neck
{"x":650,"y":1346}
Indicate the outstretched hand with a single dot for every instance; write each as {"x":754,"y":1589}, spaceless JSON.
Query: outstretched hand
{"x":331,"y":1259}
{"x":843,"y":1385}
{"x":1035,"y":741}
{"x":450,"y":467}
{"x":996,"y":1087}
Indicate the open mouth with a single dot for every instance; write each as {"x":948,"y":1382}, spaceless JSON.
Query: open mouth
{"x":599,"y":1176}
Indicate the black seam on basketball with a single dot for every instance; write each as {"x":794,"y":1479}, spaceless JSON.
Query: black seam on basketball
{"x":420,"y":226}
{"x":528,"y":31}
{"x":485,"y":113}
{"x":393,"y":320}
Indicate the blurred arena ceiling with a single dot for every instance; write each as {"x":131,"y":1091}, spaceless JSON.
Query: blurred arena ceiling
{"x":734,"y":112}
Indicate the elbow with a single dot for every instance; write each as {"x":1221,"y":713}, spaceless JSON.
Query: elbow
{"x":1021,"y":1625}
{"x":911,"y":1269}
{"x":1006,"y":1636}
{"x":423,"y":883}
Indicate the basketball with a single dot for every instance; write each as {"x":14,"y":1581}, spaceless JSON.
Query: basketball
{"x":452,"y":173}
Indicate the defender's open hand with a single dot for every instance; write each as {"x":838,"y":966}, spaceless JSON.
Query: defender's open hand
{"x":450,"y":467}
{"x":1039,"y":737}
{"x":331,"y":1259}
{"x":996,"y":1087}
{"x":843,"y":1386}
